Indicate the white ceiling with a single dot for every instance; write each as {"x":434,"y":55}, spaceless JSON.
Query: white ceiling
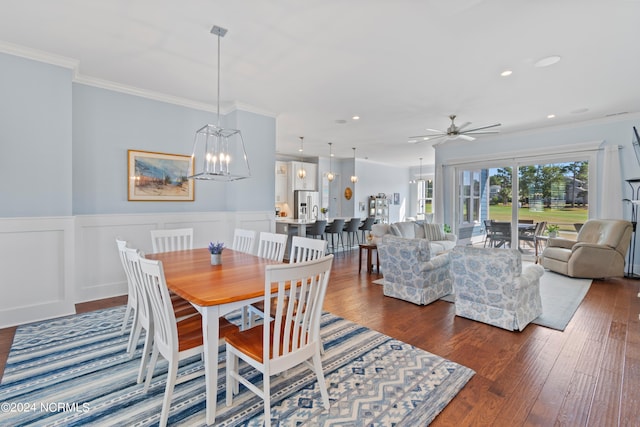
{"x":402,"y":66}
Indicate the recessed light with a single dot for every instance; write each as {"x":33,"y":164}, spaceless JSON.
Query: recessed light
{"x":506,"y":73}
{"x":551,"y":116}
{"x":341,"y":121}
{"x":356,"y":117}
{"x":547,"y":61}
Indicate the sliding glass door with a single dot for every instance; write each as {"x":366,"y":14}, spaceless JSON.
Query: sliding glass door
{"x":528,"y":198}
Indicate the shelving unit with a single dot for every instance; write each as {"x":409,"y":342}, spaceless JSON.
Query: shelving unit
{"x":379,"y":208}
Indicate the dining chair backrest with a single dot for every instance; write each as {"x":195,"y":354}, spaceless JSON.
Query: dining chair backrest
{"x":132,"y":294}
{"x":304,"y":249}
{"x":272,"y":246}
{"x":168,"y":240}
{"x":165,"y":332}
{"x":243,"y":240}
{"x":133,"y":257}
{"x":299,"y":285}
{"x":317,"y":228}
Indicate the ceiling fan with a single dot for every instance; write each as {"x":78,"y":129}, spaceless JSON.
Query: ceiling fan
{"x":454,"y":132}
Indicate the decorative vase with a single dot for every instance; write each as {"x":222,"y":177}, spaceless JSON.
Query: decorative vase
{"x":553,"y":234}
{"x":216,"y":259}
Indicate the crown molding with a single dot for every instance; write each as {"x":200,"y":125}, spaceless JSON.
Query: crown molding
{"x":74,"y":65}
{"x":143,"y":93}
{"x":40,"y":56}
{"x":252,"y":109}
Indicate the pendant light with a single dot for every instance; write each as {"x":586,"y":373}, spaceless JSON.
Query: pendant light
{"x":220,"y":152}
{"x":330,"y":175}
{"x":354,"y":177}
{"x":301,"y":172}
{"x":413,"y":181}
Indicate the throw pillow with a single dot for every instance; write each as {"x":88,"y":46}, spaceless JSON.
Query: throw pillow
{"x":434,"y":232}
{"x":403,"y":229}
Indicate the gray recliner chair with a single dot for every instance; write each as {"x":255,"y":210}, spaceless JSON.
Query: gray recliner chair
{"x":599,"y":250}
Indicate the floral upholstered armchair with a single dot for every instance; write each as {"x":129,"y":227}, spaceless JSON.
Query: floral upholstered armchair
{"x":490,"y":286}
{"x":410,"y":273}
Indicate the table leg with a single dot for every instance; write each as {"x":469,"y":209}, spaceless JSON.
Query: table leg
{"x":360,"y":260}
{"x":369,"y":261}
{"x":211,"y":334}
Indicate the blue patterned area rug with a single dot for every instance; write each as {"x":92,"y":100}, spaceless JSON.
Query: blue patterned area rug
{"x":74,"y":371}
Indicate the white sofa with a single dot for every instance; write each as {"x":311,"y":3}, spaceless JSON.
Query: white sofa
{"x":439,"y":241}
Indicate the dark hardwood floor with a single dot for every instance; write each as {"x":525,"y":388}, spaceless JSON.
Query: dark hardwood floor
{"x":588,"y":375}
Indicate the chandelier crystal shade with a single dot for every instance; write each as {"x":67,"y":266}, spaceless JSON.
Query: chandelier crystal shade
{"x":219,"y":154}
{"x":354,"y":177}
{"x":330,"y":175}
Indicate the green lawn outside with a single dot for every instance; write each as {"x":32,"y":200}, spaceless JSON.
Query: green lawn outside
{"x":565,"y":218}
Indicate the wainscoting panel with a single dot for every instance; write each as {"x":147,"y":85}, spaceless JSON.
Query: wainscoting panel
{"x":49,"y":264}
{"x":36,"y":261}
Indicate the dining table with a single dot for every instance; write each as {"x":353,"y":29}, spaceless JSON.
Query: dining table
{"x":215,"y":291}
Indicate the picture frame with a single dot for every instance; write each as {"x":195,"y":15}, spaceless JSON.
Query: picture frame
{"x":396,"y":198}
{"x":159,"y":177}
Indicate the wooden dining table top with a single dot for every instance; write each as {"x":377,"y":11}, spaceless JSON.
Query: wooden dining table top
{"x":189,"y":273}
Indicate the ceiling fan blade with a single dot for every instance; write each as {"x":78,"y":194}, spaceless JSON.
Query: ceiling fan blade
{"x":466,"y":137}
{"x":482,"y":133}
{"x":422,"y":138}
{"x":483,"y":127}
{"x":464,"y":125}
{"x":436,"y":131}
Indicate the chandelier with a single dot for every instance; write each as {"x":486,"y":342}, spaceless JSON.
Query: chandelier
{"x":221,"y":152}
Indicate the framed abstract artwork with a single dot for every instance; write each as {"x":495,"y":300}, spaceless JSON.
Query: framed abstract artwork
{"x":159,"y":177}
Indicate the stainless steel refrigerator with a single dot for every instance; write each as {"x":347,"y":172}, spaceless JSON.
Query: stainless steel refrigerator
{"x":306,"y":205}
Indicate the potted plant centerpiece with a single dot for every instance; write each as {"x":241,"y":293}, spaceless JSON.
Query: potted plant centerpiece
{"x":216,"y":252}
{"x":552,"y":229}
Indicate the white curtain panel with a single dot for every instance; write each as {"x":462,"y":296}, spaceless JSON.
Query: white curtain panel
{"x":438,"y":196}
{"x":611,"y":207}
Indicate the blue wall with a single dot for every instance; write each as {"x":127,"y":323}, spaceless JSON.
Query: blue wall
{"x":64,"y":147}
{"x":35,"y":138}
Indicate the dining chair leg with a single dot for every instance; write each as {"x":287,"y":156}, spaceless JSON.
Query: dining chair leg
{"x":317,"y":367}
{"x":133,"y":339}
{"x":150,"y":368}
{"x":144,"y":360}
{"x":125,"y":321}
{"x":172,"y":375}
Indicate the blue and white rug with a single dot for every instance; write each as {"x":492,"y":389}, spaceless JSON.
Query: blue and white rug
{"x":74,"y":371}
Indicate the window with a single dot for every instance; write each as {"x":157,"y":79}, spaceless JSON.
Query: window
{"x":425,"y":196}
{"x":469,"y":207}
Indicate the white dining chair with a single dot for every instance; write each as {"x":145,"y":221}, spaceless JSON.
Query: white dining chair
{"x":168,"y":240}
{"x":243,"y":240}
{"x":305,"y":249}
{"x":174,"y":339}
{"x":181,"y":308}
{"x":292,"y":338}
{"x":272,"y":246}
{"x":132,"y":297}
